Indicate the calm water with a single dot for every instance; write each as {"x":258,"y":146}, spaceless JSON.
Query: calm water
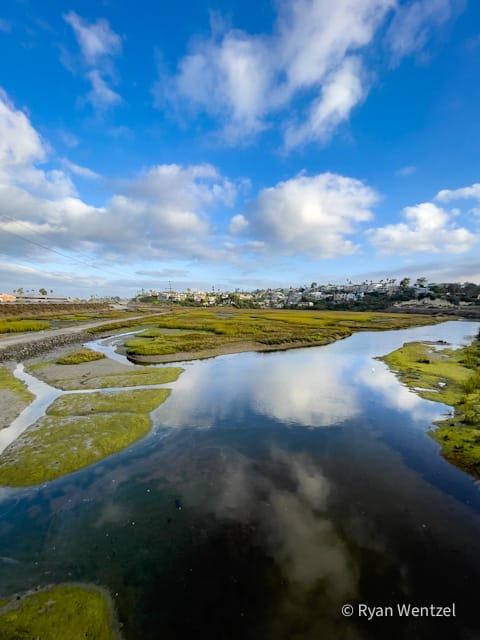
{"x":273,"y":489}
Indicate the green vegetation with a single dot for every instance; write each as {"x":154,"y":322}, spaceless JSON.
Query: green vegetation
{"x":124,"y":324}
{"x":206,"y":330}
{"x":36,"y":366}
{"x":14,"y":397}
{"x":10,"y":383}
{"x":17,"y":326}
{"x":57,"y":613}
{"x":82,"y":355}
{"x":22,"y":310}
{"x":84,"y":404}
{"x":133,"y":378}
{"x":451,"y":377}
{"x":80,"y":429}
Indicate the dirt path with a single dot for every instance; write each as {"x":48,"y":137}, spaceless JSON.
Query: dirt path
{"x":9,"y":343}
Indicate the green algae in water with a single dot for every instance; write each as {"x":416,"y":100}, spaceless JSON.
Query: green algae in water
{"x":60,"y":445}
{"x":58,"y":613}
{"x":80,"y":429}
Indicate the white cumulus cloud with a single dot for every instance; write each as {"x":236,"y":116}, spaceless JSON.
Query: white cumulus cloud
{"x":21,"y":150}
{"x":311,"y":215}
{"x":163,"y":212}
{"x":427,"y":229}
{"x":464,"y":193}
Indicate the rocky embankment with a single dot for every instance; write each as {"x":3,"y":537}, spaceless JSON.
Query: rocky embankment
{"x":35,"y":347}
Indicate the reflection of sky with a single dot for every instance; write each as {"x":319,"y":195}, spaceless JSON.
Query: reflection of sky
{"x":312,"y":387}
{"x":383,"y":383}
{"x":300,"y":387}
{"x":293,"y":517}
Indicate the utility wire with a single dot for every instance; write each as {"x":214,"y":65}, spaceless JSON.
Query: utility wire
{"x":59,"y":253}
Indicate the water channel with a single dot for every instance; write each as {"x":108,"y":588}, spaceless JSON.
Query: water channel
{"x":273,"y":489}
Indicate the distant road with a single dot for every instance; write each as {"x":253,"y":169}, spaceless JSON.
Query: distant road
{"x":9,"y":341}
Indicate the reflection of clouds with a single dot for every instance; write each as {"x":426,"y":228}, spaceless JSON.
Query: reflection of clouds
{"x":395,"y":395}
{"x":306,"y":387}
{"x":290,"y":506}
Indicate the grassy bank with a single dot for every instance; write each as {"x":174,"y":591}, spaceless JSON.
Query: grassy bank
{"x":18,"y":326}
{"x":85,"y":404}
{"x":58,"y":613}
{"x":14,"y":397}
{"x":82,"y":355}
{"x":91,"y":378}
{"x":453,"y":378}
{"x":78,"y":430}
{"x":207,"y":330}
{"x":126,"y":323}
{"x":8,"y":382}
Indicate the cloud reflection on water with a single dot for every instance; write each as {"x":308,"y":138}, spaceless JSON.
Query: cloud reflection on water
{"x":306,"y":388}
{"x":289,"y":502}
{"x":396,"y":396}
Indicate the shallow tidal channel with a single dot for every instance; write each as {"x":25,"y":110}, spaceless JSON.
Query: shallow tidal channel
{"x":273,"y":489}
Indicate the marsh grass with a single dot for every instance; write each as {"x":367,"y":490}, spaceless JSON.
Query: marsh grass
{"x":123,"y":324}
{"x":456,"y":375}
{"x":207,"y":330}
{"x":131,"y":401}
{"x":10,"y":383}
{"x":134,"y":378}
{"x":58,"y":613}
{"x":18,"y":326}
{"x":82,"y":355}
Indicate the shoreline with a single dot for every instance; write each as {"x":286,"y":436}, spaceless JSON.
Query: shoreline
{"x":451,"y":377}
{"x":227,"y":349}
{"x":106,"y":373}
{"x":14,"y":601}
{"x":90,"y":411}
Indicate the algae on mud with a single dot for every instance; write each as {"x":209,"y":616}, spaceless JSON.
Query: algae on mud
{"x":14,"y":397}
{"x":78,"y":430}
{"x":451,"y":376}
{"x":55,"y":613}
{"x":84,"y":404}
{"x":15,"y":386}
{"x":101,"y":377}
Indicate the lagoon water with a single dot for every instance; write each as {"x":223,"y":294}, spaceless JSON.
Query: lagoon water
{"x":273,"y":489}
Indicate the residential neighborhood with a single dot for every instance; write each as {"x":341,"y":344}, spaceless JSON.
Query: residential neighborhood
{"x":384,"y":293}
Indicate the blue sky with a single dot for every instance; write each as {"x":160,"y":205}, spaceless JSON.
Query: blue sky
{"x":237,"y":144}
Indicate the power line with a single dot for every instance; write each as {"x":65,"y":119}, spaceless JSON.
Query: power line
{"x":30,"y":230}
{"x":59,"y":253}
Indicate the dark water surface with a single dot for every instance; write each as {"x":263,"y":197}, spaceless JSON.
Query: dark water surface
{"x":274,"y":489}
